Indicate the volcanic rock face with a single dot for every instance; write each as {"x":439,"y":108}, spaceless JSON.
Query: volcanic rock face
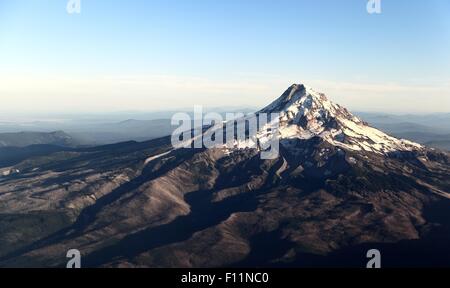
{"x":306,"y":113}
{"x":337,"y":184}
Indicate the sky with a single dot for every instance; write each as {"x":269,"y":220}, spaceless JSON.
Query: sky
{"x":149,"y":55}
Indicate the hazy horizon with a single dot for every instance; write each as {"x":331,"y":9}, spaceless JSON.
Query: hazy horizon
{"x":12,"y":116}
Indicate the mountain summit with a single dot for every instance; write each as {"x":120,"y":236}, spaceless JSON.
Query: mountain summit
{"x":305,"y":113}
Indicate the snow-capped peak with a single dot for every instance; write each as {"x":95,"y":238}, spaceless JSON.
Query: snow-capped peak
{"x":305,"y":113}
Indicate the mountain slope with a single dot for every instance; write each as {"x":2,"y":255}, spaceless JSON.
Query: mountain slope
{"x":337,"y":185}
{"x":306,"y":113}
{"x":23,"y":139}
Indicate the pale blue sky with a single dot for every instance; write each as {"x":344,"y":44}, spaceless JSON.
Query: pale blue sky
{"x":149,"y":54}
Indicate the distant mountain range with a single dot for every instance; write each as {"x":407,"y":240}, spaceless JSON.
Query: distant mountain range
{"x":90,"y":130}
{"x":16,"y":147}
{"x":23,"y":139}
{"x":432,"y":130}
{"x":338,"y":188}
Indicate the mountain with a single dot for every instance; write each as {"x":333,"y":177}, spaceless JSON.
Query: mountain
{"x":338,"y":188}
{"x":24,"y":139}
{"x":10,"y":156}
{"x":17,"y":147}
{"x":306,"y":114}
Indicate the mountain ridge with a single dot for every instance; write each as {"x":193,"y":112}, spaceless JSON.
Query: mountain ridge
{"x":23,"y":139}
{"x":306,"y":113}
